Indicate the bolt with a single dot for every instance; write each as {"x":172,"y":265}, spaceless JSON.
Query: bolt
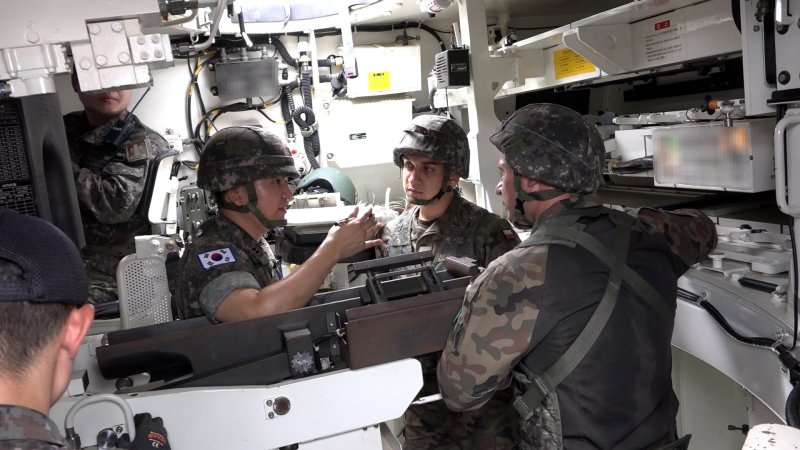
{"x":101,"y":60}
{"x":116,"y":26}
{"x":784,"y":77}
{"x":269,"y":402}
{"x":155,"y":38}
{"x":144,"y":55}
{"x":124,"y":58}
{"x":32,"y":37}
{"x":271,"y":415}
{"x":118,"y":429}
{"x":94,"y":29}
{"x":85,"y":64}
{"x":158,"y":53}
{"x":140,"y":40}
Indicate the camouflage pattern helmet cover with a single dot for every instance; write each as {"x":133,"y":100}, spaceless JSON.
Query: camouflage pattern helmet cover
{"x":236,"y":156}
{"x":553,"y":144}
{"x":437,"y":137}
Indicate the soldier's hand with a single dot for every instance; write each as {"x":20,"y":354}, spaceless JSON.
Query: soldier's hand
{"x":354,"y":233}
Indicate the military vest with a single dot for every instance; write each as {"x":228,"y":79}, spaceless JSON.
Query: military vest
{"x":634,"y":414}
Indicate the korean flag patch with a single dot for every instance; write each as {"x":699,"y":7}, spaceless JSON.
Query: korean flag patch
{"x":216,"y":257}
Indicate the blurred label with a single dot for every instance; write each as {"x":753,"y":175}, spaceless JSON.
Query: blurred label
{"x":568,"y":63}
{"x":378,"y":81}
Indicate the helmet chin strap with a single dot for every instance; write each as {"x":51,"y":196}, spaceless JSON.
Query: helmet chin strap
{"x":251,"y":207}
{"x":443,"y":190}
{"x":520,"y":221}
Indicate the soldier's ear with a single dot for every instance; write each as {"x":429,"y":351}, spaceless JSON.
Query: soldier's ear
{"x":453,"y":181}
{"x":237,"y":195}
{"x":529,"y":185}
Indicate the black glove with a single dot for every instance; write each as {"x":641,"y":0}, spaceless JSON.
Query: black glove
{"x":150,"y":434}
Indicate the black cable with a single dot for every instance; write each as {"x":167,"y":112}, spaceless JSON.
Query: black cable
{"x":261,"y":111}
{"x":287,"y":104}
{"x":287,"y":58}
{"x":757,"y":341}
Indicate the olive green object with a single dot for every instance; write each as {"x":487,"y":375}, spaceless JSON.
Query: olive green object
{"x":329,"y":179}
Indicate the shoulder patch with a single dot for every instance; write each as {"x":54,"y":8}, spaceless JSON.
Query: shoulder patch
{"x":216,"y":257}
{"x":137,"y":150}
{"x":510,"y":235}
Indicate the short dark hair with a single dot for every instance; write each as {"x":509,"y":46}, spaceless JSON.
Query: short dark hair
{"x":25,"y":327}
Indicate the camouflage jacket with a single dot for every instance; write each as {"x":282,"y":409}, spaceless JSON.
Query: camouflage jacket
{"x":109,"y":184}
{"x":23,"y":429}
{"x":530,"y":305}
{"x":465,"y":229}
{"x":221,"y":259}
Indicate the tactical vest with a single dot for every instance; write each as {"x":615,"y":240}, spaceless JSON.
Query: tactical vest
{"x":540,"y":405}
{"x":460,"y":223}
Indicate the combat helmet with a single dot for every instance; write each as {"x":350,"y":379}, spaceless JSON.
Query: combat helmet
{"x":441,"y":139}
{"x":329,"y":179}
{"x":554,"y":145}
{"x":237,"y":156}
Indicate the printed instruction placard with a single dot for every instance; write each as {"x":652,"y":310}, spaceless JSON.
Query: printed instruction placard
{"x":663,"y":40}
{"x":567,"y":63}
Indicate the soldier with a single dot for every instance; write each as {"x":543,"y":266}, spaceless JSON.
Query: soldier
{"x":229,"y":272}
{"x":110,"y":181}
{"x":44,"y":316}
{"x":433,"y":154}
{"x":583,"y":264}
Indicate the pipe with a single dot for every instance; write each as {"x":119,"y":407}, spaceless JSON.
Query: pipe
{"x":69,"y":420}
{"x":213,"y":32}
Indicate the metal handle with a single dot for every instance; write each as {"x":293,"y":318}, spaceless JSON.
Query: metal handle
{"x":69,"y":420}
{"x":782,"y":16}
{"x":780,"y":165}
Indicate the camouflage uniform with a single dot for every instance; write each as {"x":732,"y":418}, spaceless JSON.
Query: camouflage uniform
{"x":22,"y":429}
{"x":109,"y":185}
{"x":464,"y":229}
{"x":530,"y":304}
{"x":221,"y":259}
{"x":222,"y":256}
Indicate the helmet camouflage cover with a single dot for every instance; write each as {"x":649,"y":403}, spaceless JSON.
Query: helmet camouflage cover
{"x":553,"y":144}
{"x":236,"y":156}
{"x":439,"y":138}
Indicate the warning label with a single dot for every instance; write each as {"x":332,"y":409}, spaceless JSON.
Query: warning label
{"x":568,"y":64}
{"x":664,"y":42}
{"x":378,"y":81}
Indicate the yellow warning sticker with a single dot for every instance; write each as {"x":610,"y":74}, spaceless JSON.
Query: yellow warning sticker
{"x":378,"y":81}
{"x":568,"y":64}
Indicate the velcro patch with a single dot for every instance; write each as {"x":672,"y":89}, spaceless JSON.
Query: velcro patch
{"x":216,"y":257}
{"x":510,"y":235}
{"x":137,"y":150}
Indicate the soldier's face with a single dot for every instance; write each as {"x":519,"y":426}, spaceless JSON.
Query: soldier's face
{"x":107,"y":104}
{"x":274,"y":195}
{"x":422,"y":177}
{"x":505,"y":188}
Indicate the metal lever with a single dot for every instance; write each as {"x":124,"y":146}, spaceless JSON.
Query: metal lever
{"x":780,"y":165}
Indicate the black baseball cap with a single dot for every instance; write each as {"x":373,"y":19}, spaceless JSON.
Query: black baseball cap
{"x":52,"y":269}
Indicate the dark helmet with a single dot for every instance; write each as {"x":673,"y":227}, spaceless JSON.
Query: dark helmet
{"x":554,"y":145}
{"x":329,"y":179}
{"x":439,"y":138}
{"x":236,"y":156}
